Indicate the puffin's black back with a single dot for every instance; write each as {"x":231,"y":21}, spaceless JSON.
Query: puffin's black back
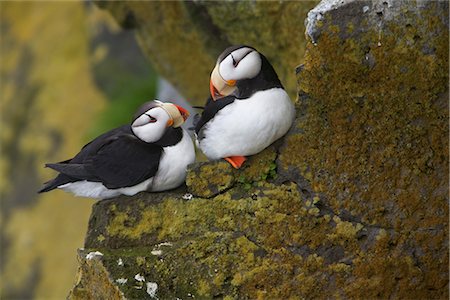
{"x":171,"y":137}
{"x":116,"y":159}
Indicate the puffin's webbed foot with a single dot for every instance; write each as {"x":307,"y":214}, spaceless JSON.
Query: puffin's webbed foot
{"x":236,"y":161}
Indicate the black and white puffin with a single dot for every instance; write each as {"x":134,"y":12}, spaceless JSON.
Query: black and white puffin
{"x":151,"y":154}
{"x":248,"y":108}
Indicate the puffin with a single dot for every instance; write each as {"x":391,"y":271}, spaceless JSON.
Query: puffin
{"x":247,"y":110}
{"x":150,"y":154}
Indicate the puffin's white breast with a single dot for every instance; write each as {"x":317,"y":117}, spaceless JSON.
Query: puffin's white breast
{"x":248,"y":126}
{"x":173,"y":164}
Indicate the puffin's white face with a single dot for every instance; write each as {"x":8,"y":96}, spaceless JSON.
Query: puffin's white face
{"x":152,"y":124}
{"x":242,"y":63}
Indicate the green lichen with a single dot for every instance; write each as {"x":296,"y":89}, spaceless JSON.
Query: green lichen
{"x":208,"y":180}
{"x":224,"y":261}
{"x":260,"y":167}
{"x":374,"y":144}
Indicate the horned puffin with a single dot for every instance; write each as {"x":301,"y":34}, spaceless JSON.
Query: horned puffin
{"x":150,"y":154}
{"x":248,"y":108}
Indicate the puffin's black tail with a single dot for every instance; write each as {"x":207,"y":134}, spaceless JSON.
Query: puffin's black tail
{"x":57,"y":181}
{"x":49,"y":185}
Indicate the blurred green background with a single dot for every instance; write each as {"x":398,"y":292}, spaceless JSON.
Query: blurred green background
{"x":68,"y":73}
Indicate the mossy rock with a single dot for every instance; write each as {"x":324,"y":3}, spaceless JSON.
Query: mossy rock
{"x":373,"y":143}
{"x":212,"y":178}
{"x":352,"y":203}
{"x":229,"y":245}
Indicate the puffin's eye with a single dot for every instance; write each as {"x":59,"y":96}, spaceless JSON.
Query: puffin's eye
{"x":234,"y":61}
{"x":152,"y":120}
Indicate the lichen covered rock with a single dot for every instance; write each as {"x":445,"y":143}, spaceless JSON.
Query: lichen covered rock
{"x":245,"y":242}
{"x":212,"y":178}
{"x":93,"y":281}
{"x":352,"y":203}
{"x":373,"y":144}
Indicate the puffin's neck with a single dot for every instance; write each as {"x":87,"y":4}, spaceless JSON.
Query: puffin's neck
{"x":266,"y":79}
{"x":171,"y":137}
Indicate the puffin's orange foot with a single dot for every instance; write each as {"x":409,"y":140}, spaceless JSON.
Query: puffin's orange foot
{"x":236,"y":161}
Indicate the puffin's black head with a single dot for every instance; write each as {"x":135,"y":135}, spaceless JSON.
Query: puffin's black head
{"x":241,"y":71}
{"x":153,"y":118}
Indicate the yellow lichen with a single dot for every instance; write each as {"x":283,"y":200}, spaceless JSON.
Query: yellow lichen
{"x":340,"y":267}
{"x":381,"y":234}
{"x":345,"y":229}
{"x":140,"y":261}
{"x":210,"y":179}
{"x":204,"y":289}
{"x":367,"y":134}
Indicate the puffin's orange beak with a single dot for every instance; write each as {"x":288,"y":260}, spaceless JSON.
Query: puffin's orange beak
{"x":219,"y":87}
{"x":184,"y":113}
{"x":213,"y":91}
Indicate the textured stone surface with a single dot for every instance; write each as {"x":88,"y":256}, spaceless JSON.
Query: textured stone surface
{"x":353,"y":203}
{"x":183,"y":38}
{"x":212,"y":178}
{"x":374,"y":143}
{"x":93,"y":279}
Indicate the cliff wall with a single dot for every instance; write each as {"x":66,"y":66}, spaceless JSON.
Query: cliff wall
{"x":352,"y":203}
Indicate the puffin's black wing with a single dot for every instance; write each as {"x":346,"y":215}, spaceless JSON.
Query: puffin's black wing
{"x":73,"y":169}
{"x":211,"y":109}
{"x":124,"y":162}
{"x":93,"y":146}
{"x":116,"y":158}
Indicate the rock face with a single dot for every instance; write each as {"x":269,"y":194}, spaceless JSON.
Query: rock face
{"x":352,"y":203}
